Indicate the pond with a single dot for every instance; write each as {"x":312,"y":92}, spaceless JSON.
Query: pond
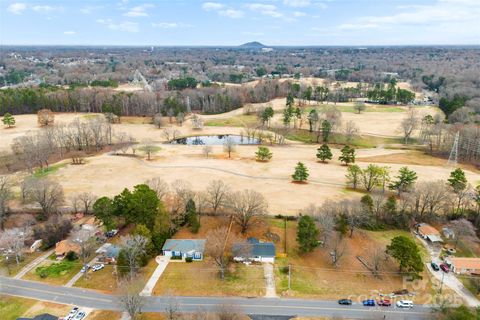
{"x":214,"y":140}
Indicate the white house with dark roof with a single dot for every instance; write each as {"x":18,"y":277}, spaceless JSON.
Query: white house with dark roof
{"x":254,"y":250}
{"x":184,"y":248}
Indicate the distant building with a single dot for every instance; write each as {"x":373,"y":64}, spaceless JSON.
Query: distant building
{"x":464,"y":265}
{"x":428,"y":232}
{"x":254,"y":250}
{"x":448,"y":233}
{"x":108,"y":253}
{"x":184,"y":248}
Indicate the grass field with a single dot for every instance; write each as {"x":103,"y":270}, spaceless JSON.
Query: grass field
{"x":12,"y":308}
{"x":235,"y":121}
{"x":368,"y":108}
{"x":41,"y":173}
{"x":202,"y":279}
{"x":13,"y":268}
{"x":57,"y":273}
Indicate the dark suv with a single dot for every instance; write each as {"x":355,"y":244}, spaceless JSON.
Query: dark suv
{"x":434,"y":266}
{"x":346,"y":302}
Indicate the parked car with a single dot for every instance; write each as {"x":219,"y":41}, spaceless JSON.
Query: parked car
{"x":79,"y":316}
{"x":346,"y":302}
{"x":111,"y":233}
{"x":85,"y":268}
{"x":98,"y":267}
{"x":434,"y":266}
{"x":405,"y":304}
{"x":384,"y":303}
{"x":444,"y":267}
{"x":369,"y":303}
{"x":72,"y":313}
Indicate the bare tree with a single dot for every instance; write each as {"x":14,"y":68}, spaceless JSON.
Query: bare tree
{"x":376,"y":258}
{"x":170,"y":134}
{"x":13,"y":241}
{"x":85,"y":240}
{"x":5,"y":195}
{"x":228,"y":312}
{"x":197,"y":122}
{"x":129,"y":297}
{"x":182,"y":192}
{"x":409,"y":124}
{"x":172,"y":309}
{"x":351,"y":131}
{"x":463,"y":229}
{"x":229,"y":146}
{"x":337,"y":249}
{"x":149,"y":148}
{"x":247,"y":206}
{"x":158,"y":120}
{"x":133,"y":247}
{"x":215,"y":247}
{"x":159,"y":186}
{"x":86,"y":199}
{"x":217,"y":193}
{"x":45,"y":117}
{"x":47,"y":193}
{"x":206,"y":150}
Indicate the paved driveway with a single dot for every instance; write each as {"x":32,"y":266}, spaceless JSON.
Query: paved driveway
{"x":162,"y":265}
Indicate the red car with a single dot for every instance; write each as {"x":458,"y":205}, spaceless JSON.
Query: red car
{"x":384,"y":303}
{"x":444,"y":267}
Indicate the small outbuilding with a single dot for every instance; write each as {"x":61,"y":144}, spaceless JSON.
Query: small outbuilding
{"x":254,"y":250}
{"x":429,"y":233}
{"x":448,"y":233}
{"x":184,"y":248}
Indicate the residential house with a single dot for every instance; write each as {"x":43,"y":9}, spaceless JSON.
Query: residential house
{"x":254,"y":250}
{"x":90,"y":224}
{"x":108,"y":253}
{"x":184,"y":248}
{"x":461,"y":265}
{"x":65,"y":246}
{"x":428,"y":232}
{"x":44,"y":316}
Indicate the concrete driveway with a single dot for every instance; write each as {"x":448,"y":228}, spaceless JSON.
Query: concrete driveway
{"x":162,"y":265}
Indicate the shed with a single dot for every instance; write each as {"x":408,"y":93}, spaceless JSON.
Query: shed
{"x":428,"y":232}
{"x":184,"y":248}
{"x":254,"y":250}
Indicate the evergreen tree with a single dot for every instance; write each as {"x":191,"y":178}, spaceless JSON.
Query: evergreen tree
{"x":307,"y":233}
{"x":8,"y":120}
{"x":404,"y":181}
{"x":139,"y":206}
{"x":263,"y":154}
{"x":122,"y":264}
{"x":162,"y":228}
{"x":104,"y":211}
{"x":324,"y":153}
{"x":458,"y":180}
{"x":407,"y":254}
{"x":367,"y":203}
{"x":192,"y":216}
{"x":326,"y":130}
{"x":301,"y":173}
{"x":266,"y":115}
{"x":347,"y":156}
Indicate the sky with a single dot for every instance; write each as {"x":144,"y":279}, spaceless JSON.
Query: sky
{"x":229,"y":23}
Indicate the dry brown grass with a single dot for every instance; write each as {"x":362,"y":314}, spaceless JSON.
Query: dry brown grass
{"x":104,"y":315}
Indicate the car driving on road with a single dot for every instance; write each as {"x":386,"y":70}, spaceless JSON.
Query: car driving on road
{"x":404,"y":304}
{"x":384,"y":303}
{"x":369,"y":303}
{"x":346,"y":302}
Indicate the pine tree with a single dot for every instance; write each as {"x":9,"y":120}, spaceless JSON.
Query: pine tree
{"x":324,"y":153}
{"x":307,"y":233}
{"x":8,"y":120}
{"x":347,"y":156}
{"x":263,"y":154}
{"x":404,"y":181}
{"x":326,"y":130}
{"x":192,"y":216}
{"x":301,"y":173}
{"x":458,"y":180}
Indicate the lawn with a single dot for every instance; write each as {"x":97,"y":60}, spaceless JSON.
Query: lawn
{"x":12,"y":308}
{"x":202,"y":279}
{"x":104,"y":315}
{"x":12,"y":269}
{"x":368,"y":108}
{"x":57,"y":273}
{"x":235,"y":121}
{"x":43,"y":172}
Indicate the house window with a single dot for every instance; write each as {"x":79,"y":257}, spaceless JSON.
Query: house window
{"x":176,"y":253}
{"x":197,"y":255}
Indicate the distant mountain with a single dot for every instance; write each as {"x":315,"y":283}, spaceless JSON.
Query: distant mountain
{"x":253,"y":44}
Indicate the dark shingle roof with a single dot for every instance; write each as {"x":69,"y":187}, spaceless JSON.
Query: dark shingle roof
{"x":184,"y":245}
{"x":253,"y":248}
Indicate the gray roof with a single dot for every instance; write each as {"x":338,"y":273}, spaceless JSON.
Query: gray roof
{"x":254,"y":249}
{"x":185,"y":245}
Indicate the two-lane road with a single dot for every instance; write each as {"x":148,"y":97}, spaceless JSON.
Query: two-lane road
{"x":263,"y":306}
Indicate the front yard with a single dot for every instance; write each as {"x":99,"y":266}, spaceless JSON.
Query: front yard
{"x":202,"y":279}
{"x":56,"y":273}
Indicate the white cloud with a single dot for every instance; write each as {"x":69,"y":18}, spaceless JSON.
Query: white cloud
{"x":297,"y":3}
{"x":43,"y":9}
{"x":17,"y":8}
{"x":170,"y":25}
{"x":138,"y":11}
{"x":231,"y":13}
{"x":211,"y":6}
{"x":265,"y":9}
{"x":126,"y":26}
{"x":69,"y":32}
{"x":299,"y":14}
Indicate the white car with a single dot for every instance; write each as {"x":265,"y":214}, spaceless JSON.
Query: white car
{"x":79,"y":316}
{"x":85,"y":268}
{"x":404,"y":304}
{"x":98,"y":267}
{"x":72,"y":313}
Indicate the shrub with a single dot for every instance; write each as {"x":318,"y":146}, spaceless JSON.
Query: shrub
{"x":71,"y":256}
{"x":188,"y":259}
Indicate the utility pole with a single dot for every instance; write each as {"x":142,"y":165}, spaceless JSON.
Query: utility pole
{"x":289,"y":277}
